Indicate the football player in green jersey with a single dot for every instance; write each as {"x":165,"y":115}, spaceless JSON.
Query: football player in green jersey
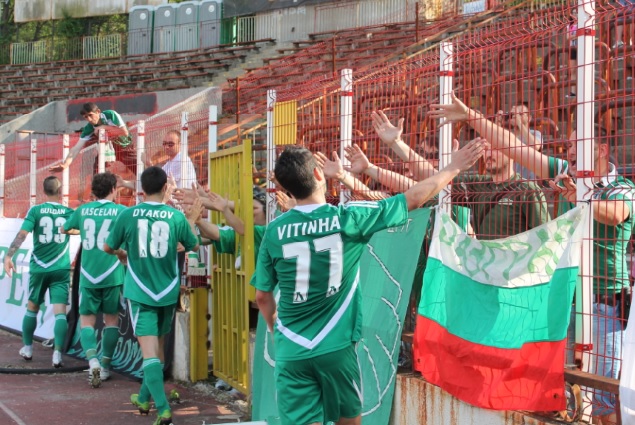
{"x":151,"y":232}
{"x":101,"y":277}
{"x":49,"y":268}
{"x":312,"y":254}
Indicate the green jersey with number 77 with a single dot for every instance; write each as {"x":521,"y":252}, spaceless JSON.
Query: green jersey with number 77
{"x":151,"y":232}
{"x":312,"y":253}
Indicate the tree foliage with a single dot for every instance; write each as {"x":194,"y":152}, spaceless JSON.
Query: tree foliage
{"x":67,"y":27}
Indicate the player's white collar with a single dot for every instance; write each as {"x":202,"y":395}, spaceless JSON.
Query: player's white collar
{"x":307,"y":208}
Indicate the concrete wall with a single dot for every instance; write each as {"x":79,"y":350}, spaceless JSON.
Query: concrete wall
{"x":181,"y":359}
{"x":62,"y":116}
{"x":418,"y":402}
{"x":43,"y":10}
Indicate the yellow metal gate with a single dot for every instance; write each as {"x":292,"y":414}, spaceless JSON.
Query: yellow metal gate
{"x":231,"y":176}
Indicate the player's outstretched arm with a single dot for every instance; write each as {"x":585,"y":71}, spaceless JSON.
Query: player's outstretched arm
{"x":15,"y":245}
{"x":462,"y":160}
{"x":334,"y":169}
{"x":208,"y":230}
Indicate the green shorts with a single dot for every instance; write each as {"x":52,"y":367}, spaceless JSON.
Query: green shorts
{"x":149,"y":320}
{"x":56,"y":282}
{"x":99,"y":300}
{"x":320,"y":389}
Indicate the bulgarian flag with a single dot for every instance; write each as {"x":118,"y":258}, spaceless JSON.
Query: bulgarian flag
{"x":493,"y":316}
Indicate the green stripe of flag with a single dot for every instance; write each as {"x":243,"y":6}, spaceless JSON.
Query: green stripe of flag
{"x":495,"y":316}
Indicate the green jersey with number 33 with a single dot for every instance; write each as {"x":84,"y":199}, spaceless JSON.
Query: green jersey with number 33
{"x":50,"y":247}
{"x":312,"y":253}
{"x":94,"y":221}
{"x":151,"y":232}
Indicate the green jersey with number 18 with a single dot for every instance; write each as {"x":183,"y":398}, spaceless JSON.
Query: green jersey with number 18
{"x":151,"y":232}
{"x":50,"y":247}
{"x":94,"y":220}
{"x":312,"y":253}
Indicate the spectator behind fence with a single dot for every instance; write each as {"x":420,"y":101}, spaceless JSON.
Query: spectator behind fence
{"x":172,"y":167}
{"x":116,"y":132}
{"x":317,"y":273}
{"x":518,"y":120}
{"x":502,"y":202}
{"x":612,"y":202}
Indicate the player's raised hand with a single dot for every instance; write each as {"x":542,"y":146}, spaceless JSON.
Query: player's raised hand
{"x":449,"y":113}
{"x":464,"y":158}
{"x":357,"y":158}
{"x":332,"y":169}
{"x":194,"y":212}
{"x":387,"y":132}
{"x":285,"y":202}
{"x":217,"y":202}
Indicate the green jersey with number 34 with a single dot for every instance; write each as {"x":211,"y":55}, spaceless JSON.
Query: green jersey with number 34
{"x":94,"y":221}
{"x":50,"y":247}
{"x":151,"y":232}
{"x":312,"y":253}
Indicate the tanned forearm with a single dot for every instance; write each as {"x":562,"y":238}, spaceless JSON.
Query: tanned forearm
{"x":232,"y":220}
{"x":208,"y":230}
{"x":267,"y":305}
{"x":17,"y":243}
{"x":394,"y":181}
{"x":422,"y":168}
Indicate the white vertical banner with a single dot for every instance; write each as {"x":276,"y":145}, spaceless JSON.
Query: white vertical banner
{"x":446,"y":80}
{"x":141,"y":156}
{"x":584,"y":175}
{"x":271,"y":156}
{"x":33,"y":171}
{"x":66,"y":144}
{"x":346,"y":125}
{"x":101,"y":162}
{"x":2,"y":178}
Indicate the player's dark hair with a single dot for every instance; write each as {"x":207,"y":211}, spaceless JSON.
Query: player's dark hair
{"x":152,"y":180}
{"x":294,"y":171}
{"x":88,"y":107}
{"x":103,"y":184}
{"x":52,"y":186}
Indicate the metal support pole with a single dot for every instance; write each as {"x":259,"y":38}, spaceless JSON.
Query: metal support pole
{"x":33,"y":171}
{"x":346,"y":125}
{"x":271,"y":156}
{"x":101,"y":164}
{"x":141,"y":153}
{"x":445,"y":133}
{"x":585,"y":173}
{"x":66,"y":179}
{"x":186,"y":179}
